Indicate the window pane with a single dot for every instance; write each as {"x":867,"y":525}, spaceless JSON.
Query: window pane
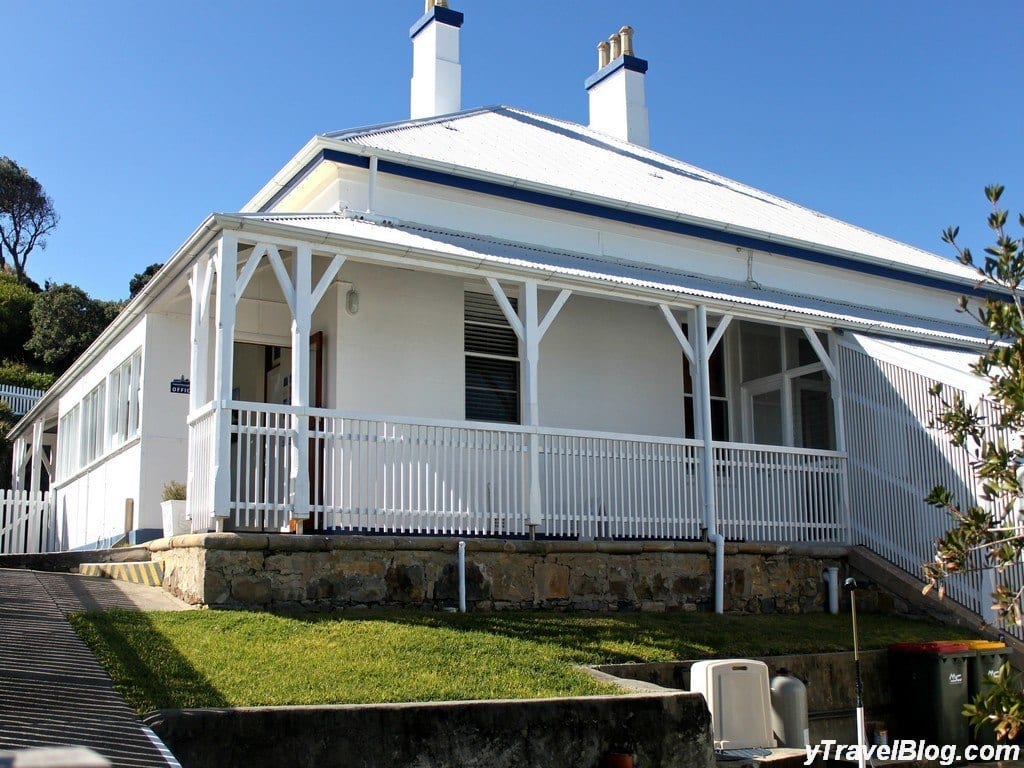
{"x":492,"y":405}
{"x":761,"y":350}
{"x":488,"y":373}
{"x":492,"y":365}
{"x":767,"y":417}
{"x":719,"y":420}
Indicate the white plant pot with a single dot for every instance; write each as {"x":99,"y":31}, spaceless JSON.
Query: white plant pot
{"x":175,"y":523}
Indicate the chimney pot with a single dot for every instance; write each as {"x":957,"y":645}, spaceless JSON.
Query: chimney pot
{"x":615,"y":44}
{"x":602,"y":54}
{"x":626,"y":37}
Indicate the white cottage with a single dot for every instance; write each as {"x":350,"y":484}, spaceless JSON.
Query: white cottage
{"x":491,"y":322}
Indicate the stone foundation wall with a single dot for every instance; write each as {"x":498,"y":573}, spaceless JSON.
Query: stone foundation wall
{"x":322,"y":572}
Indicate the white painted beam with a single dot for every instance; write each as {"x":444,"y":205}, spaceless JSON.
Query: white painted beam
{"x":506,"y":308}
{"x":823,"y":355}
{"x":227,"y":259}
{"x":36,"y":466}
{"x":716,"y":337}
{"x":302,"y":319}
{"x":325,"y":281}
{"x":249,"y":270}
{"x":673,"y":324}
{"x":274,"y":256}
{"x":552,"y":313}
{"x":199,"y":332}
{"x":531,"y":403}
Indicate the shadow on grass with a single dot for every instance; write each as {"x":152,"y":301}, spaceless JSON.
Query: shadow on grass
{"x":147,"y":669}
{"x":639,"y":637}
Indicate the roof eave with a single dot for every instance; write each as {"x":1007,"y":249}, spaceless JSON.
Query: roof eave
{"x":283,"y":177}
{"x":163,"y":279}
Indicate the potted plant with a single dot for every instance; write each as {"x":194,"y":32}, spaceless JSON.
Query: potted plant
{"x":173,"y":509}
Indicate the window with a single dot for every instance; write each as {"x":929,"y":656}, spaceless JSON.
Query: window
{"x":106,"y":418}
{"x":92,"y":425}
{"x":67,"y":443}
{"x":719,"y":396}
{"x":492,"y":361}
{"x":123,"y":409}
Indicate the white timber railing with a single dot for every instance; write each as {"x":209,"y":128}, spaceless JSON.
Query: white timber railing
{"x":201,"y":453}
{"x":619,"y":486}
{"x":419,"y":476}
{"x":20,"y":399}
{"x":27,"y":523}
{"x":896,"y":457}
{"x":770,"y":493}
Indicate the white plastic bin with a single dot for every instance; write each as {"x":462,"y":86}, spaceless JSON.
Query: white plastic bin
{"x":739,"y":699}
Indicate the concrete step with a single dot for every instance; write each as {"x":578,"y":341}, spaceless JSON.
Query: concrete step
{"x":148,"y":573}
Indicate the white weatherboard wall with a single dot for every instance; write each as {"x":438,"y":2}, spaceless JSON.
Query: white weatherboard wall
{"x":163,"y":426}
{"x":403,"y":353}
{"x":612,"y":367}
{"x":90,"y":504}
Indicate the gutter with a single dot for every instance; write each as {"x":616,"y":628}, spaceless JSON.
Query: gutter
{"x":172,"y":269}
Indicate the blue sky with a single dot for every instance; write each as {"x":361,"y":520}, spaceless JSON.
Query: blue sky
{"x":140,"y":118}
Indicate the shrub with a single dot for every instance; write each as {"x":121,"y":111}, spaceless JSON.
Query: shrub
{"x":174,"y":491}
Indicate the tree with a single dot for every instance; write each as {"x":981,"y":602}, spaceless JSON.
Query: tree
{"x":16,"y":301}
{"x":990,"y":535}
{"x":141,"y":279}
{"x":26,"y":215}
{"x":66,"y":320}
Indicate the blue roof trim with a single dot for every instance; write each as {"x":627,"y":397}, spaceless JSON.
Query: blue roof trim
{"x":628,"y":217}
{"x":440,"y":14}
{"x":629,"y":63}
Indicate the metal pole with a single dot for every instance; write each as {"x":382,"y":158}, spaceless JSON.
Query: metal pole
{"x":851,"y":586}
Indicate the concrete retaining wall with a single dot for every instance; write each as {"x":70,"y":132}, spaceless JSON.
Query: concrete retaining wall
{"x":668,"y":729}
{"x":320,"y":572}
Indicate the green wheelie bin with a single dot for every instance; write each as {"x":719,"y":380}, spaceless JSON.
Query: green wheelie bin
{"x":989,"y":656}
{"x":928,"y":682}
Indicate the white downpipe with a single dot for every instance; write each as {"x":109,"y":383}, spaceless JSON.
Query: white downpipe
{"x":831,"y":577}
{"x":462,"y":577}
{"x":371,"y":192}
{"x":707,"y":465}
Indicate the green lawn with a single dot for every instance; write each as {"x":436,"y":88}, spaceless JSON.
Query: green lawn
{"x":211,"y":658}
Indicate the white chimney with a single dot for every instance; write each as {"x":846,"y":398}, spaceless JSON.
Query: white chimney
{"x":618,"y":104}
{"x":436,"y":71}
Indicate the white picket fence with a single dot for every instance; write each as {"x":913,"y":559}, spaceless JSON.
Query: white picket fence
{"x":27,"y":523}
{"x":20,"y":399}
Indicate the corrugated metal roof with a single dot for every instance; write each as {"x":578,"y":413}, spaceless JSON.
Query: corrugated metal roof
{"x":569,"y":265}
{"x":543,"y":150}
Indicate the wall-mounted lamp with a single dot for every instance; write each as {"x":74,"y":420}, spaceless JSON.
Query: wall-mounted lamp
{"x":352,"y":301}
